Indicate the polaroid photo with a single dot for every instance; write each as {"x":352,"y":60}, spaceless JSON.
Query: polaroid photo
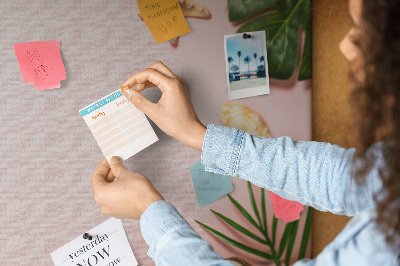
{"x":246,"y":64}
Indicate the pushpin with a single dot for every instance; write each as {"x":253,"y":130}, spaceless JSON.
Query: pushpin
{"x":87,"y":236}
{"x":246,"y":36}
{"x":125,"y":88}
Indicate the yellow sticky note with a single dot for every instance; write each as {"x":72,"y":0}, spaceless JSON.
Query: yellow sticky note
{"x":164,"y":18}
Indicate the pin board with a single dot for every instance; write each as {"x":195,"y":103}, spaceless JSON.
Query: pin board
{"x":49,"y":153}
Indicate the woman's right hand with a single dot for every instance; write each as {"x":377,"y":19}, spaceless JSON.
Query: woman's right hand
{"x":173,"y":113}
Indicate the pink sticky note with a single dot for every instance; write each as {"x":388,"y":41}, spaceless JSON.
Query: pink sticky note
{"x":287,"y":210}
{"x":41,"y":63}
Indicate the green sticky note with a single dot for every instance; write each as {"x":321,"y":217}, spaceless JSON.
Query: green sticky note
{"x":209,"y":186}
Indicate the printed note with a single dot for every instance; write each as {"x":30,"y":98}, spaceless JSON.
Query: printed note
{"x":287,"y":210}
{"x":41,"y":63}
{"x":209,"y":186}
{"x":109,"y":246}
{"x":164,"y":18}
{"x":118,"y":126}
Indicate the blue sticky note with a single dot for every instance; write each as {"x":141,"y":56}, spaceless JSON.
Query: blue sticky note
{"x":209,"y":186}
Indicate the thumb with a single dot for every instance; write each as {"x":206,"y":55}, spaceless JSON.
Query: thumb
{"x":138,"y":100}
{"x":117,"y":167}
{"x":99,"y":176}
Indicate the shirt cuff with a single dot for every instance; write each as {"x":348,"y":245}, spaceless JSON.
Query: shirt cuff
{"x":222,"y":148}
{"x":159,"y":218}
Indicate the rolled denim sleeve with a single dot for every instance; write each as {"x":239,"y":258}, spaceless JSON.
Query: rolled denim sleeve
{"x":316,"y":174}
{"x":172,"y":241}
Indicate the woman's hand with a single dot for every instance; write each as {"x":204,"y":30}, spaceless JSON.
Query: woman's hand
{"x":127,"y":197}
{"x":174,"y":112}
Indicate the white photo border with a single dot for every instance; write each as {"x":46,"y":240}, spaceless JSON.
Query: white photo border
{"x":248,"y":92}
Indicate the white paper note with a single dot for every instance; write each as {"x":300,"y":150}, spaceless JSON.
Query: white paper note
{"x":118,"y":126}
{"x":108,"y":247}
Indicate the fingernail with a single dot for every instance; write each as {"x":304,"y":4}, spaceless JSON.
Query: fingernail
{"x":129,"y":92}
{"x":115,"y":160}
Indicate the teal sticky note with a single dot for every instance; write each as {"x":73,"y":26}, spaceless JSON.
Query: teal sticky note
{"x":209,"y":186}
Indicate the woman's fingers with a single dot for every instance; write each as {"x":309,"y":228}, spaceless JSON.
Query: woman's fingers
{"x":141,"y":102}
{"x":142,"y":86}
{"x":100,"y":174}
{"x":110,"y":177}
{"x":159,"y":80}
{"x":160,"y":67}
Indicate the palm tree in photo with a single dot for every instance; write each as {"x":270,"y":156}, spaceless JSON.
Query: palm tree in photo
{"x":234,"y":68}
{"x":255,"y":58}
{"x":247,"y":60}
{"x":239,"y":55}
{"x":262,"y":59}
{"x":230,"y":60}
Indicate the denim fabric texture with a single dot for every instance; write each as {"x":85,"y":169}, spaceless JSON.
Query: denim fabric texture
{"x":313,"y":173}
{"x":172,"y":241}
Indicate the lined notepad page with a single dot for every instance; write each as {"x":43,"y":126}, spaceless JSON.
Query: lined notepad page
{"x":118,"y":126}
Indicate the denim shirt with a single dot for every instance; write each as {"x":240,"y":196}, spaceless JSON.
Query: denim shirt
{"x":313,"y":173}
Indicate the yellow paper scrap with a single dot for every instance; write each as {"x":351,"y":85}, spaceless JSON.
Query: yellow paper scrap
{"x":164,"y":18}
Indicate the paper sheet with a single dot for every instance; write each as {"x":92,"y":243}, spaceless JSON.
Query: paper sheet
{"x":164,"y":18}
{"x":118,"y":126}
{"x":108,"y":247}
{"x":209,"y":186}
{"x":287,"y":210}
{"x":41,"y":63}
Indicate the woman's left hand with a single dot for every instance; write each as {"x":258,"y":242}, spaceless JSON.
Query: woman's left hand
{"x":127,"y":197}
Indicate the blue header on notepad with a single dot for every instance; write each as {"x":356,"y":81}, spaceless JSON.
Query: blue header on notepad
{"x":100,"y":103}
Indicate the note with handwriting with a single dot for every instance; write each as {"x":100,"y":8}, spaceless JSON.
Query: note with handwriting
{"x":287,"y":210}
{"x":209,"y":186}
{"x":41,"y":63}
{"x":118,"y":126}
{"x":109,"y":246}
{"x":164,"y":18}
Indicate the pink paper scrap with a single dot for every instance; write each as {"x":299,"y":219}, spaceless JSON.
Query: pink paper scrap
{"x":41,"y":63}
{"x":287,"y":210}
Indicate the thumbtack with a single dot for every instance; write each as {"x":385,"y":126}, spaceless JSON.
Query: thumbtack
{"x":125,"y":88}
{"x":87,"y":236}
{"x":246,"y":36}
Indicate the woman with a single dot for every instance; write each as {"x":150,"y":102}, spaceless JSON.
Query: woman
{"x":320,"y":175}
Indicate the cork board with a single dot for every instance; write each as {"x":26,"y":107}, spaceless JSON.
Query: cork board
{"x":51,"y":153}
{"x":331,"y":88}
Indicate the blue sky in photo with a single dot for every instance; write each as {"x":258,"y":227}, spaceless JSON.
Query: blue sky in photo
{"x":248,"y":47}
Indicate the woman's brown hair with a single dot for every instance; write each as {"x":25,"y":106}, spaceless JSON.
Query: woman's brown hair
{"x":376,"y":107}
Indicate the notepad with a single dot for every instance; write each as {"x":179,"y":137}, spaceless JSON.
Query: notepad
{"x":109,"y":246}
{"x":118,"y":126}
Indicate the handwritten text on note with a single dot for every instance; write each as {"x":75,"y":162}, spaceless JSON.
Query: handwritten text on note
{"x":41,"y":63}
{"x":209,"y":186}
{"x":287,"y":210}
{"x":164,"y":18}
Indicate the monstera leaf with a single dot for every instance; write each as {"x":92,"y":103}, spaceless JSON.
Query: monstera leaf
{"x":281,"y":24}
